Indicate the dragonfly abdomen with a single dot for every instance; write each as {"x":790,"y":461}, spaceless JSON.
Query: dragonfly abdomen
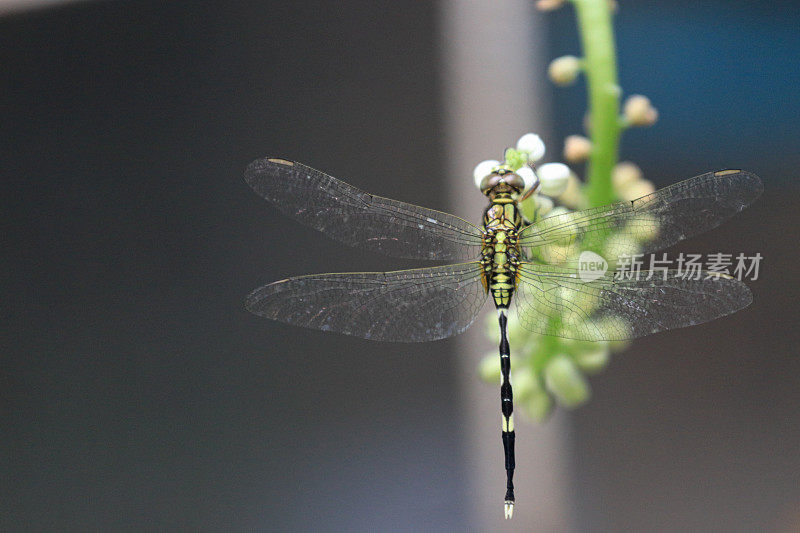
{"x":501,"y":286}
{"x":500,"y":259}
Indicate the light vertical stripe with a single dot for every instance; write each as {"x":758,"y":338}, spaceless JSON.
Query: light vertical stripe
{"x":492,"y":83}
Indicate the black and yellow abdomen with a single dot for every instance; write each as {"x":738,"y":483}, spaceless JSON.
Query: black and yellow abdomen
{"x":500,"y":257}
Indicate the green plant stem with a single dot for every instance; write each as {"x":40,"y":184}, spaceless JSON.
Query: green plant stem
{"x":600,"y":64}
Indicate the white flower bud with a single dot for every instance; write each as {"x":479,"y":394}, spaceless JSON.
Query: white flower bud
{"x":577,"y":148}
{"x":619,"y":247}
{"x":624,"y":174}
{"x":573,"y":196}
{"x":560,"y":210}
{"x":564,"y":70}
{"x":527,"y":175}
{"x":614,"y":328}
{"x":636,"y":190}
{"x":533,"y":145}
{"x":549,"y":5}
{"x":518,"y":335}
{"x":554,"y":178}
{"x":539,"y":405}
{"x":524,"y":383}
{"x":483,"y":169}
{"x":639,"y":111}
{"x":566,"y":382}
{"x":643,"y":227}
{"x":594,"y":360}
{"x":543,"y":205}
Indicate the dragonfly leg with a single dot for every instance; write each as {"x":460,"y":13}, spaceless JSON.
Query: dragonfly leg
{"x":507,"y":406}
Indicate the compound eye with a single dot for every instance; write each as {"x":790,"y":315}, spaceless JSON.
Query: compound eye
{"x":490,"y":182}
{"x":515,"y":181}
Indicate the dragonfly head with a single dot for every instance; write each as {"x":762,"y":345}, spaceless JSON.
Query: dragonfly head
{"x":502,"y":179}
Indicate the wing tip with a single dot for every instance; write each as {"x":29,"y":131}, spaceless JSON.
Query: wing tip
{"x":751,"y":185}
{"x":744,"y":294}
{"x":265,"y":162}
{"x":735,"y":293}
{"x":251,"y":300}
{"x":254,"y":302}
{"x":262,"y":174}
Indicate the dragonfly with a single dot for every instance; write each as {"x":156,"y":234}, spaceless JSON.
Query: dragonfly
{"x":505,"y":259}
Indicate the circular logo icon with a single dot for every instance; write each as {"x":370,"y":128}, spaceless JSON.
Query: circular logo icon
{"x":591,"y":266}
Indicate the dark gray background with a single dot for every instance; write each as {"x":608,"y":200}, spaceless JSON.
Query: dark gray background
{"x":136,"y":393}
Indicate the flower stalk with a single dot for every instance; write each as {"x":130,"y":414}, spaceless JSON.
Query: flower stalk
{"x":552,"y":369}
{"x":600,"y":67}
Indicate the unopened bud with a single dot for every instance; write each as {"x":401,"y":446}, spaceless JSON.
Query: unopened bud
{"x":553,"y":178}
{"x":564,"y":70}
{"x":624,"y":174}
{"x":636,"y":190}
{"x":577,"y":148}
{"x":560,"y":210}
{"x":643,"y":227}
{"x":617,"y":249}
{"x":524,"y":383}
{"x":593,"y":361}
{"x":533,"y":145}
{"x":639,"y":111}
{"x":572,"y":196}
{"x":566,"y":382}
{"x":543,"y":205}
{"x":549,"y":5}
{"x":539,"y":405}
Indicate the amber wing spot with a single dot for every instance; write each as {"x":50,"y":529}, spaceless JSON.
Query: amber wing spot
{"x":281,"y":162}
{"x":721,"y":173}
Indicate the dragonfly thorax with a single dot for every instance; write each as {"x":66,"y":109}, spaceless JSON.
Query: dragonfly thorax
{"x":500,"y":255}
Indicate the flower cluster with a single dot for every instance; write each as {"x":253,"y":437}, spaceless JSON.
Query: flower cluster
{"x":547,"y":368}
{"x":551,"y":369}
{"x":553,"y":179}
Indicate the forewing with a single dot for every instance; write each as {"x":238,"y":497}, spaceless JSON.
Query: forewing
{"x":417,"y":305}
{"x":556,"y":301}
{"x":646,"y":225}
{"x":359,"y":219}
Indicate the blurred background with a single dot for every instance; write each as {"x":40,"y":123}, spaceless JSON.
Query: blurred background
{"x":137,"y":394}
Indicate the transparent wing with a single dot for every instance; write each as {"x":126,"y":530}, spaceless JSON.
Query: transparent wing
{"x":555,"y":301}
{"x":645,"y":225}
{"x":359,"y":219}
{"x":417,"y":305}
